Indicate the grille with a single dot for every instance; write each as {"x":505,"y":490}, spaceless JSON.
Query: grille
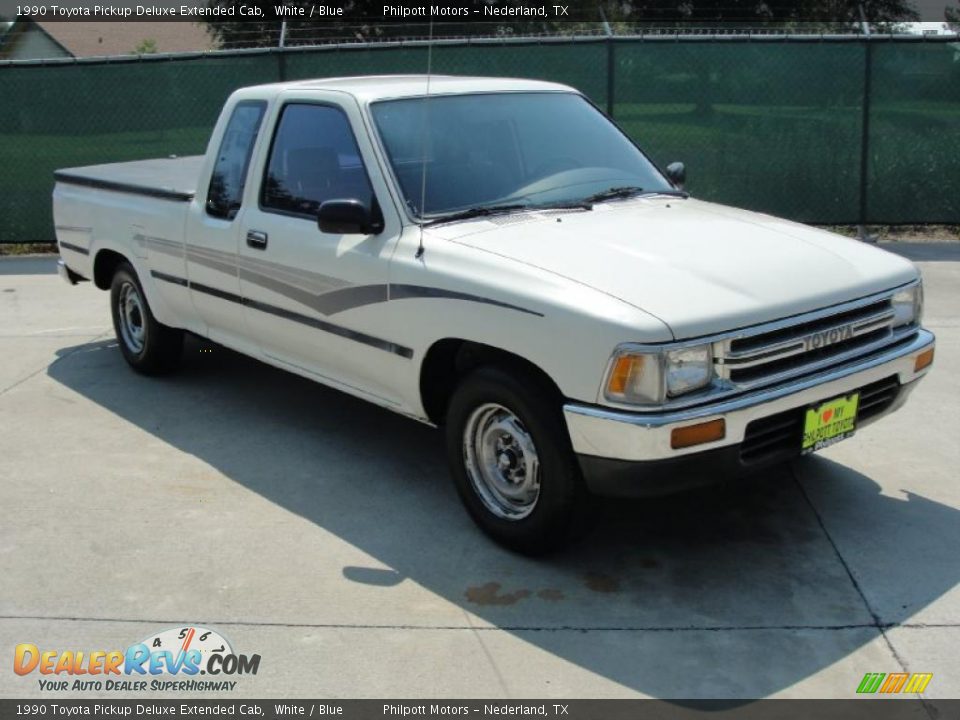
{"x":780,"y":365}
{"x":805,"y":346}
{"x":778,"y":436}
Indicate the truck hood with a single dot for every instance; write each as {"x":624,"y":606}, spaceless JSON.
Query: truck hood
{"x":700,"y":268}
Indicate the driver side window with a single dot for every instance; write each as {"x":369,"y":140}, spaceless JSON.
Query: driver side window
{"x":314,"y":158}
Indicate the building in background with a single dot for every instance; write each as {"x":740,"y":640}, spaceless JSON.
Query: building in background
{"x":26,"y":40}
{"x":36,"y":40}
{"x":927,"y":28}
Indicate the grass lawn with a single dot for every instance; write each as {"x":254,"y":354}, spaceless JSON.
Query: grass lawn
{"x":27,"y":180}
{"x":800,"y":162}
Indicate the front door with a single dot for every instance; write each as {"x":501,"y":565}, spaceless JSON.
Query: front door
{"x":317,"y":301}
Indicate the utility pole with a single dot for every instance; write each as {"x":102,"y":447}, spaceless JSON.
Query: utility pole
{"x":611,"y":62}
{"x":862,"y":233}
{"x":282,"y":56}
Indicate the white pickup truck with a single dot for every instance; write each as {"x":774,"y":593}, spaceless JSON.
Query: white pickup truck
{"x":496,"y":257}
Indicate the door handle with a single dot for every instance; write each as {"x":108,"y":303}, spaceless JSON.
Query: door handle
{"x":257,"y":240}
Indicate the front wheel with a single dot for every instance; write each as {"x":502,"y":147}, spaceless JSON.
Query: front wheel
{"x":511,"y":459}
{"x":147,"y":345}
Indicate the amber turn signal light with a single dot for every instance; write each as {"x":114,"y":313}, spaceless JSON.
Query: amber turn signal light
{"x":924,"y":360}
{"x":698,"y":434}
{"x":626,"y":369}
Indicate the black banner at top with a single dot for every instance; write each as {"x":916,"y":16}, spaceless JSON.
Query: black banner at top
{"x":604,"y":12}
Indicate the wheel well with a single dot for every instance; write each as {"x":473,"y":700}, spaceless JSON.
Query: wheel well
{"x":104,"y":266}
{"x":450,"y":359}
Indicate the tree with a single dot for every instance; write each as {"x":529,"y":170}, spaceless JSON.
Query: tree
{"x":147,"y":46}
{"x":952,"y":16}
{"x":363,"y":19}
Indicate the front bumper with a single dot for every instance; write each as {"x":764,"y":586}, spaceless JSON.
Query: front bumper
{"x":630,"y":453}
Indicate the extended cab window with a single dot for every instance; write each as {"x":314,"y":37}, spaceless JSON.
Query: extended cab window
{"x":314,"y":158}
{"x":229,"y":177}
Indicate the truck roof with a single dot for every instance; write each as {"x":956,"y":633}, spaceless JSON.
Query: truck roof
{"x":369,"y":88}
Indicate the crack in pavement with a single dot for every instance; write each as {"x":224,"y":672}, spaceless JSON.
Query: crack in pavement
{"x":509,"y":628}
{"x":44,"y":335}
{"x":501,"y":680}
{"x":877,"y":622}
{"x":32,"y":375}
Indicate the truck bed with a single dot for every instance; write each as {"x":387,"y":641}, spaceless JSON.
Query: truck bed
{"x":167,"y":178}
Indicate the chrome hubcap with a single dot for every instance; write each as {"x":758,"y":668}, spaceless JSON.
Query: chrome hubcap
{"x":132,"y":330}
{"x":501,"y":461}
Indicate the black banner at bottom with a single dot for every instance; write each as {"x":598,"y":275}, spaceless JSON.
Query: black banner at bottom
{"x":874,"y":708}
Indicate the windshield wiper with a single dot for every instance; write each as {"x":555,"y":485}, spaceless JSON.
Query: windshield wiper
{"x":668,"y":193}
{"x":626,"y":191}
{"x":614,"y":193}
{"x":487,"y":210}
{"x":565,"y":205}
{"x":478,"y":211}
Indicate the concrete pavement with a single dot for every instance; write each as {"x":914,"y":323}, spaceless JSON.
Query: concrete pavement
{"x":323,"y":534}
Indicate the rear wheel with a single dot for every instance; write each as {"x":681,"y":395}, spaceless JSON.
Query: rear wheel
{"x":147,"y":345}
{"x":511,"y":459}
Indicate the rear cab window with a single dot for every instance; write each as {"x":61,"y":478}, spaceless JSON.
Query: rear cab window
{"x":229,"y":177}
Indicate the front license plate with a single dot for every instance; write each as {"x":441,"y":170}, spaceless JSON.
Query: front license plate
{"x":829,"y":423}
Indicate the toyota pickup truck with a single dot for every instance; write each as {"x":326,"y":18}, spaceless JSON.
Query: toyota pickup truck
{"x":497,"y":258}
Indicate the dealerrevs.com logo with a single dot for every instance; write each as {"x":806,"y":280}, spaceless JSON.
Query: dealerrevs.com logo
{"x":167,"y":661}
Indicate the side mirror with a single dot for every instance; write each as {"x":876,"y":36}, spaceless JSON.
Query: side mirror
{"x":347,"y":217}
{"x":677,"y":174}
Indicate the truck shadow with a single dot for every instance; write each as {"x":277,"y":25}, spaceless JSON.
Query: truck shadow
{"x":727,"y":592}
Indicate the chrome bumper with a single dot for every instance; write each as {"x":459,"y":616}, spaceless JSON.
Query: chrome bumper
{"x":637,"y":437}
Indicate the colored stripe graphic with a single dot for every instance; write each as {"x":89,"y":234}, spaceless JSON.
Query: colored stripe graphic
{"x":356,"y":336}
{"x":898,"y":682}
{"x":918,"y":682}
{"x":871,"y":682}
{"x":895,"y":681}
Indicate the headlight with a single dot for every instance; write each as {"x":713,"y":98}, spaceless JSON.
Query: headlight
{"x":908,"y":305}
{"x":688,"y":369}
{"x":644,"y":378}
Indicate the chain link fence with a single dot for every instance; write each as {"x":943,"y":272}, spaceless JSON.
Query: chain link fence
{"x":820,"y":130}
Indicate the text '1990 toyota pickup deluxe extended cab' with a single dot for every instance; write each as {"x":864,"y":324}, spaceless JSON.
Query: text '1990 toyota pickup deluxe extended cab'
{"x":496,"y":257}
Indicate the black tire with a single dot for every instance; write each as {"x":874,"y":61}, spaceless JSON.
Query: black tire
{"x":562,"y":502}
{"x":147,"y":345}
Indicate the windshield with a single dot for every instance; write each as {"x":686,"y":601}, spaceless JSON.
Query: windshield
{"x":536,"y":149}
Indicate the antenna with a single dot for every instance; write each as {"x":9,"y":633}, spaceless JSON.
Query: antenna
{"x":423,"y":143}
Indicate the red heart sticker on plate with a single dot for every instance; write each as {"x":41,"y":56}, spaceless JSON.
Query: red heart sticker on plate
{"x":827,"y":414}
